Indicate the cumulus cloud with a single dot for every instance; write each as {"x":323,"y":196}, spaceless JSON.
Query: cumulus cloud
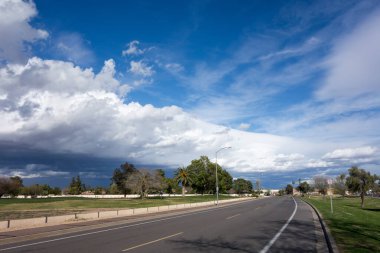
{"x":57,"y":106}
{"x":15,"y":31}
{"x":140,"y":68}
{"x":19,"y":82}
{"x":132,"y":49}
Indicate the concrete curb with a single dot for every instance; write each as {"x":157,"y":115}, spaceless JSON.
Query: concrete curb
{"x":326,"y":231}
{"x":12,"y":225}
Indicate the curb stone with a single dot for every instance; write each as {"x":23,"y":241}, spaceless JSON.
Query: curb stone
{"x":326,"y":231}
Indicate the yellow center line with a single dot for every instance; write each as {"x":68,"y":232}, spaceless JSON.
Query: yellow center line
{"x":163,"y":238}
{"x":233,"y":216}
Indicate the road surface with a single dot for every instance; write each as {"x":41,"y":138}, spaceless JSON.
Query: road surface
{"x":276,"y":224}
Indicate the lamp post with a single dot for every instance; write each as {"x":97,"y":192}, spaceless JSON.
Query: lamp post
{"x":216,"y":173}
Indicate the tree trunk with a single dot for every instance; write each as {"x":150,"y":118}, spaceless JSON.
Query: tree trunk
{"x":183,"y":190}
{"x":362,"y":198}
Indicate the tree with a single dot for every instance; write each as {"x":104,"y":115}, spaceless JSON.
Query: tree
{"x":289,"y":189}
{"x":10,"y":186}
{"x":182,"y":175}
{"x":171,"y":186}
{"x":120,"y":176}
{"x":145,"y":181}
{"x":76,"y":186}
{"x":340,"y":185}
{"x":203,"y":177}
{"x":242,"y":186}
{"x":258,"y":186}
{"x":360,"y":181}
{"x":303,"y":187}
{"x":321,"y":184}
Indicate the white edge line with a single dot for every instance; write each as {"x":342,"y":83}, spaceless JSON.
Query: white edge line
{"x":274,"y":239}
{"x":147,"y":243}
{"x":117,"y":228}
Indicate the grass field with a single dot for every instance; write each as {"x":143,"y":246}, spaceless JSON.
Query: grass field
{"x":354,"y":229}
{"x":29,"y":208}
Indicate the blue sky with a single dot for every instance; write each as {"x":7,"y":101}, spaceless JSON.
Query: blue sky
{"x":292,"y":86}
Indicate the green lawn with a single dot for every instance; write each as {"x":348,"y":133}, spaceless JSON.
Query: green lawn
{"x":354,"y":229}
{"x":28,"y":208}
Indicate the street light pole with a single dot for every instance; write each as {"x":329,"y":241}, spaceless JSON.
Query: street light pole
{"x":216,"y":173}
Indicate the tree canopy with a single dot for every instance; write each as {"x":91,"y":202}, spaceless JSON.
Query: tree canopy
{"x":360,"y":181}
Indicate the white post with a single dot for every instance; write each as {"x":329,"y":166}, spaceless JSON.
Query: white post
{"x":216,"y":174}
{"x":331,"y":204}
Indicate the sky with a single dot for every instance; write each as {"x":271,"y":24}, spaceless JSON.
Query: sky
{"x":292,"y":86}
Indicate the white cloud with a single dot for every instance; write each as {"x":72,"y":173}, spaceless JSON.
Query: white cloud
{"x":141,"y":68}
{"x":353,"y":64}
{"x":133,"y":49}
{"x":244,"y":126}
{"x":15,"y":31}
{"x":32,"y":171}
{"x":174,"y":67}
{"x":350,"y":153}
{"x":72,"y":47}
{"x":77,"y":111}
{"x":55,"y":76}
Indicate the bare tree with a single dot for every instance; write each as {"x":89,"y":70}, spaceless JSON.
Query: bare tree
{"x":321,"y":184}
{"x":340,"y":185}
{"x":144,"y":181}
{"x":10,"y":186}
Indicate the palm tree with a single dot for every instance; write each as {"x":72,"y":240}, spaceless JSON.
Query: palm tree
{"x":182,"y":175}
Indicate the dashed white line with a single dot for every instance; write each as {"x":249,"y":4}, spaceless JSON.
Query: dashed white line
{"x":233,"y":216}
{"x":147,"y":243}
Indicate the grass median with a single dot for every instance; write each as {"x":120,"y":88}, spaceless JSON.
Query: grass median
{"x":31,"y":208}
{"x":353,"y":228}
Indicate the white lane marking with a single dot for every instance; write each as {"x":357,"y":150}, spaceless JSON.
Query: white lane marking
{"x":117,"y":228}
{"x":274,"y":239}
{"x":147,"y":243}
{"x":233,"y":216}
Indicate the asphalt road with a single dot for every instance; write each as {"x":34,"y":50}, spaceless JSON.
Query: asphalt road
{"x":278,"y":224}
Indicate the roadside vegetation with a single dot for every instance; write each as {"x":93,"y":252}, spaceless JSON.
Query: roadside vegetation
{"x":198,"y":177}
{"x":354,"y":220}
{"x":38,"y":207}
{"x":355,"y":229}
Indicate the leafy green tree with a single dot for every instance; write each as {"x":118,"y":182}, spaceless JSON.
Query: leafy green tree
{"x":289,"y":189}
{"x":172,"y":186}
{"x":242,"y":186}
{"x":183,"y":176}
{"x":76,"y":186}
{"x":304,"y":187}
{"x":120,"y":176}
{"x":360,"y":181}
{"x":203,"y":176}
{"x":225,"y":180}
{"x":114,"y":189}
